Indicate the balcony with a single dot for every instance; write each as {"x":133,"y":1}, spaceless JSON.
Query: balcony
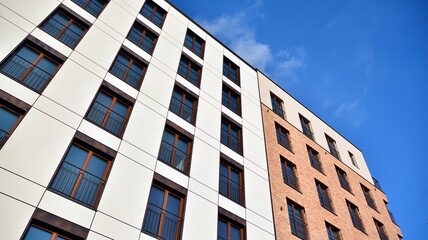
{"x":298,"y":228}
{"x":74,"y":183}
{"x":162,"y":224}
{"x":127,"y":74}
{"x":181,"y":109}
{"x":231,"y":141}
{"x":106,"y":118}
{"x":61,"y":32}
{"x":26,"y":73}
{"x":174,"y":157}
{"x":232,"y":190}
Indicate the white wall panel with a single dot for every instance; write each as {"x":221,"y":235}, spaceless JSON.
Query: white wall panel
{"x":121,"y":85}
{"x":9,"y":41}
{"x":34,"y":11}
{"x":99,"y":134}
{"x":51,"y":41}
{"x":209,"y":119}
{"x":211,"y":84}
{"x":15,"y":216}
{"x":254,"y":148}
{"x":58,"y":112}
{"x":95,"y":236}
{"x":113,"y":228}
{"x":231,"y":206}
{"x":167,"y":54}
{"x":175,"y":29}
{"x":158,"y":85}
{"x":137,"y":155}
{"x":257,"y":195}
{"x":172,"y":174}
{"x":117,"y":18}
{"x":82,"y":12}
{"x":256,"y":233}
{"x":17,"y":90}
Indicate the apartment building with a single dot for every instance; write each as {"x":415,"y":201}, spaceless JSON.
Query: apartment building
{"x":127,"y":120}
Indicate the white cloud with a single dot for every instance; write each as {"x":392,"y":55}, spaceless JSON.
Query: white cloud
{"x":353,"y":111}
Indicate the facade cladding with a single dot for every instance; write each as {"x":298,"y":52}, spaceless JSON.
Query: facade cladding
{"x":127,"y":120}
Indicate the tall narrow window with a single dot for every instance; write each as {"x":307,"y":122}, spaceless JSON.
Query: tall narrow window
{"x":289,"y":173}
{"x":10,"y":115}
{"x":175,"y":150}
{"x":142,"y":37}
{"x":355,"y":216}
{"x":314,"y":159}
{"x":109,"y":112}
{"x":231,"y":71}
{"x":343,"y":179}
{"x":64,"y":27}
{"x":164,"y":214}
{"x":94,"y":7}
{"x":190,"y":70}
{"x":231,"y":135}
{"x":31,"y":66}
{"x":230,"y":227}
{"x":306,"y":127}
{"x":128,"y":69}
{"x":282,"y":136}
{"x":231,"y":182}
{"x":297,"y":221}
{"x":154,"y":13}
{"x":369,"y":199}
{"x":194,"y":43}
{"x":381,"y":230}
{"x":82,"y":175}
{"x":353,"y":160}
{"x":183,"y":104}
{"x":231,"y":100}
{"x":324,"y":196}
{"x":332,"y":232}
{"x":332,"y":146}
{"x":277,"y":105}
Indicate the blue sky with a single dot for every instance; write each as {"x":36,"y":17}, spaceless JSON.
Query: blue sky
{"x":360,"y":65}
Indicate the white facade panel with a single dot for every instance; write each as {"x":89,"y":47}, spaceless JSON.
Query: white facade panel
{"x":158,"y":86}
{"x":211,"y":84}
{"x":209,"y":119}
{"x":260,"y":222}
{"x":51,"y":42}
{"x":73,"y":6}
{"x":257,"y":191}
{"x":256,"y":233}
{"x":9,"y":41}
{"x":58,"y":112}
{"x":95,"y":236}
{"x":232,"y":154}
{"x":181,"y":122}
{"x":213,"y":56}
{"x":231,"y":206}
{"x":254,"y":150}
{"x":15,"y":216}
{"x":121,"y":85}
{"x":34,"y":11}
{"x":168,"y":55}
{"x":17,"y":90}
{"x":113,"y":228}
{"x":172,"y":174}
{"x":99,"y":134}
{"x":203,"y":191}
{"x":117,"y":18}
{"x":175,"y":29}
{"x":137,"y":155}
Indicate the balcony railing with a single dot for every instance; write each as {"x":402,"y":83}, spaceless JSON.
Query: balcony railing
{"x":188,"y":43}
{"x":127,"y":74}
{"x":283,"y":141}
{"x":161,"y":223}
{"x":231,"y":141}
{"x":325,"y":201}
{"x":230,"y":189}
{"x":3,"y":137}
{"x":106,"y":118}
{"x":174,"y":157}
{"x":315,"y":163}
{"x":93,"y":7}
{"x":89,"y":186}
{"x":291,"y":180}
{"x":377,"y":184}
{"x":370,"y":200}
{"x":356,"y":221}
{"x":61,"y":32}
{"x":392,"y":217}
{"x":144,"y":43}
{"x":298,"y":227}
{"x":186,"y":72}
{"x":278,"y":110}
{"x":181,"y":109}
{"x":231,"y":103}
{"x":26,"y":73}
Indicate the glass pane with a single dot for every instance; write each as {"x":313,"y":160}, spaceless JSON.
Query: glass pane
{"x":47,"y":65}
{"x":35,"y":233}
{"x":156,"y":196}
{"x":168,"y":137}
{"x":104,"y":99}
{"x":97,"y":166}
{"x":234,"y":176}
{"x":173,"y":204}
{"x":222,"y":230}
{"x":182,"y":145}
{"x":76,"y":156}
{"x":223,"y":170}
{"x":77,"y":30}
{"x":120,"y":109}
{"x":28,"y":54}
{"x":235,"y":233}
{"x":171,"y":220}
{"x":7,"y":120}
{"x":61,"y":19}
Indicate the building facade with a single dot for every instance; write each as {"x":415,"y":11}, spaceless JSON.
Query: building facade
{"x":127,"y":120}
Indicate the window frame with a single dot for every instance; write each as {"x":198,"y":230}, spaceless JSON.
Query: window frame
{"x":231,"y":220}
{"x":231,"y":65}
{"x":353,"y":160}
{"x":380,"y":228}
{"x":306,"y":127}
{"x":333,"y":230}
{"x":145,"y":32}
{"x":332,"y":145}
{"x":133,"y":59}
{"x":343,"y":178}
{"x":286,"y":175}
{"x":368,"y":196}
{"x":314,"y":159}
{"x":236,"y":127}
{"x":283,"y":137}
{"x":323,"y":195}
{"x":184,"y":95}
{"x":86,"y":4}
{"x":156,"y":8}
{"x":189,"y":63}
{"x":277,"y":105}
{"x":292,"y":217}
{"x":232,"y":165}
{"x":354,"y":213}
{"x":230,"y":92}
{"x":195,"y":38}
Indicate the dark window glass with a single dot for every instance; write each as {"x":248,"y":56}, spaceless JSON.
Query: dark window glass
{"x":94,"y":7}
{"x":297,"y":223}
{"x":154,"y":13}
{"x":343,"y":179}
{"x":355,"y":216}
{"x":163,"y":214}
{"x":332,"y":146}
{"x":143,"y":38}
{"x":289,"y":173}
{"x":9,"y":119}
{"x":64,"y":28}
{"x":30,"y":67}
{"x":128,"y":69}
{"x":183,"y":105}
{"x":332,"y":232}
{"x":282,"y":136}
{"x":36,"y":233}
{"x":353,"y":160}
{"x":314,"y":159}
{"x":369,"y":199}
{"x":381,"y":230}
{"x":277,"y":104}
{"x":231,"y":70}
{"x":109,"y":113}
{"x":189,"y":70}
{"x":324,"y":196}
{"x":231,"y":100}
{"x":229,"y":231}
{"x":194,"y":43}
{"x":81,"y":176}
{"x":231,"y":136}
{"x":306,"y":127}
{"x":231,"y":183}
{"x":175,"y":151}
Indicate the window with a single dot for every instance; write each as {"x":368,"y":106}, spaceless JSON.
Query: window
{"x":369,"y":199}
{"x":306,"y":127}
{"x":324,"y":196}
{"x":289,"y":173}
{"x":128,"y":69}
{"x":231,"y":100}
{"x":355,"y":216}
{"x":194,"y":43}
{"x":282,"y":136}
{"x":277,"y":104}
{"x":332,"y":232}
{"x":142,"y":37}
{"x":175,"y":150}
{"x":343,"y":179}
{"x":183,"y":104}
{"x":231,"y":182}
{"x":353,"y":160}
{"x":231,"y":135}
{"x":332,"y":146}
{"x":390,"y":213}
{"x":154,"y":13}
{"x":230,"y":227}
{"x":231,"y":70}
{"x":94,"y":7}
{"x":164,"y":214}
{"x":64,"y":27}
{"x":82,"y":173}
{"x":109,"y":112}
{"x":380,"y":230}
{"x":297,"y":222}
{"x":189,"y":70}
{"x":10,"y":115}
{"x":31,"y":66}
{"x":314,"y":159}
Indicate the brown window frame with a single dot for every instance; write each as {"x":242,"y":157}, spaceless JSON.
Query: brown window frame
{"x":277,"y":105}
{"x":286,"y":175}
{"x":324,"y":196}
{"x":240,"y":171}
{"x":145,"y":32}
{"x":292,"y":218}
{"x":231,"y":125}
{"x":380,"y":227}
{"x":283,"y":137}
{"x":343,"y":179}
{"x":332,"y":147}
{"x":195,"y":38}
{"x":189,"y":63}
{"x":354,"y":213}
{"x":231,"y":220}
{"x":332,"y":229}
{"x":306,"y":127}
{"x":353,"y":160}
{"x":184,"y":95}
{"x":230,"y":92}
{"x":86,"y":4}
{"x":314,"y":159}
{"x":368,"y":196}
{"x":133,"y":59}
{"x":156,"y":8}
{"x":231,"y":65}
